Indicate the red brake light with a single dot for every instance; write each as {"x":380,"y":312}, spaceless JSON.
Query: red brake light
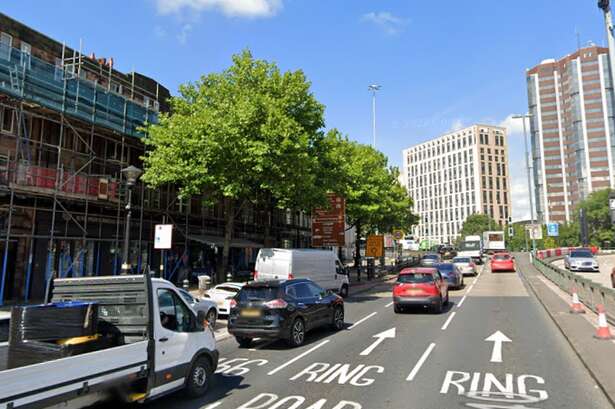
{"x":254,"y":275}
{"x":276,"y":304}
{"x":291,"y":276}
{"x":233,"y":303}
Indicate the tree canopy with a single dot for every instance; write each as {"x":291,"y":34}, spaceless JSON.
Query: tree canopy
{"x":476,"y":224}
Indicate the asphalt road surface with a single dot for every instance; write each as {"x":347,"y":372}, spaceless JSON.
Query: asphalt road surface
{"x":421,"y":360}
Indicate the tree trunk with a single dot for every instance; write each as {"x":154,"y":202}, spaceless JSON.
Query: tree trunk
{"x":357,"y":250}
{"x":229,"y":219}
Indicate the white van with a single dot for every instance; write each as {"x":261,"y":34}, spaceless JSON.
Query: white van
{"x":320,"y":266}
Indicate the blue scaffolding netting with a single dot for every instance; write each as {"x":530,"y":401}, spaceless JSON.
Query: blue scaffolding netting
{"x":55,"y":87}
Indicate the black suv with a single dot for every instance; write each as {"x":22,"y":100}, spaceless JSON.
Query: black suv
{"x":283,"y":309}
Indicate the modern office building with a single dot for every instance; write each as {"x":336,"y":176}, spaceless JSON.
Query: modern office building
{"x":456,"y":175}
{"x":572,"y":130}
{"x":69,"y":124}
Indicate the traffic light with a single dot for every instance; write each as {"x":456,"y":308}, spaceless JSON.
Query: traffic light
{"x":511,"y":231}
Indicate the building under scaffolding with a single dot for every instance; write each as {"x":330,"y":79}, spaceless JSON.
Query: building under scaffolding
{"x":69,"y":124}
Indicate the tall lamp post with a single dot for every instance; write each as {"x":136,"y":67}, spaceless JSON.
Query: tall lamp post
{"x":131,"y":173}
{"x":527,"y":169}
{"x":374,"y":88}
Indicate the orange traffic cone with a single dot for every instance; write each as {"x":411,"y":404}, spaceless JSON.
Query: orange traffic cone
{"x":603,"y":332}
{"x":576,"y":307}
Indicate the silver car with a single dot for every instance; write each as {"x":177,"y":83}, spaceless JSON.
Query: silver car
{"x":430,"y":260}
{"x":201,"y":304}
{"x":465,"y":266}
{"x":581,"y":260}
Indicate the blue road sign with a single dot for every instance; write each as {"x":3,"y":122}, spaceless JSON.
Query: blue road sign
{"x":553,"y":229}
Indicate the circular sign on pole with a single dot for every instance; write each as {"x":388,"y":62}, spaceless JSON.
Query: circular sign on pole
{"x":398,"y":234}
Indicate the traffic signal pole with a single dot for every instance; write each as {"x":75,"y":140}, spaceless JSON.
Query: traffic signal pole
{"x":605,"y":6}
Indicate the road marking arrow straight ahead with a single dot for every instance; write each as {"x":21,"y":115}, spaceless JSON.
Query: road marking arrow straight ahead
{"x":498,"y":338}
{"x":390,"y":333}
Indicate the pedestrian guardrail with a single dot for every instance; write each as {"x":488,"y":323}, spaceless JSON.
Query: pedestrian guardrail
{"x":591,"y":294}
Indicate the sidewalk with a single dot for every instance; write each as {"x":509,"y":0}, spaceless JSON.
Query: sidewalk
{"x":596,"y":355}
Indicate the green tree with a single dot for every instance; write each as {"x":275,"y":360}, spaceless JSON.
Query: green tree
{"x":374,"y":198}
{"x":476,"y":224}
{"x":596,"y":206}
{"x":250,"y":133}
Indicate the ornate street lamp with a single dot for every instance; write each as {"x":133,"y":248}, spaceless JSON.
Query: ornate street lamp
{"x":131,"y":173}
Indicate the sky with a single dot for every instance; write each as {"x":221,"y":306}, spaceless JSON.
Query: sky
{"x":441,"y":65}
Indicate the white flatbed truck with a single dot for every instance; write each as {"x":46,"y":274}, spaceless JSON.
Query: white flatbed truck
{"x":165,"y":347}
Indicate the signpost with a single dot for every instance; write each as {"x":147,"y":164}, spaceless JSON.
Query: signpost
{"x":552,"y":229}
{"x":398,"y":234}
{"x":329,"y":224}
{"x":375,"y":246}
{"x":163,"y":240}
{"x":535,"y":231}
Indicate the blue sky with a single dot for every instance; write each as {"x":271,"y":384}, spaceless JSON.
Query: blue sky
{"x":441,"y":64}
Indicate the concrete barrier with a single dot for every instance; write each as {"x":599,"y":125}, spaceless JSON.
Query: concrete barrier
{"x":591,"y":294}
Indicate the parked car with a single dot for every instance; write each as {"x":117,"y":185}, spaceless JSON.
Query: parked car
{"x":420,"y":286}
{"x":222,"y":294}
{"x":283,"y":309}
{"x":451,"y":275}
{"x":430,"y":260}
{"x":581,"y":260}
{"x":465,"y":266}
{"x":320,"y":266}
{"x":201,"y":304}
{"x":502,"y":262}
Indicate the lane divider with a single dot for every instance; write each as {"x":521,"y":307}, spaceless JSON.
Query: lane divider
{"x":362,"y":320}
{"x":388,"y":305}
{"x":420,"y":362}
{"x":462,"y":300}
{"x":448,"y":321}
{"x":213,"y":405}
{"x":298,"y":357}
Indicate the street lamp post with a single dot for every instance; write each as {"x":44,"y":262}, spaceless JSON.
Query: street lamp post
{"x":131,"y":173}
{"x":373,"y":88}
{"x":527,"y":169}
{"x":605,"y":6}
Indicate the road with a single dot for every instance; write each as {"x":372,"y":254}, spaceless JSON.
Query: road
{"x":427,"y":362}
{"x":606,"y":263}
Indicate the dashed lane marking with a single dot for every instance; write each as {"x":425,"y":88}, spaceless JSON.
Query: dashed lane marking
{"x":462,"y":300}
{"x":448,"y":321}
{"x":420,"y":362}
{"x":298,"y":357}
{"x":212,"y":406}
{"x":362,"y":320}
{"x":388,"y":305}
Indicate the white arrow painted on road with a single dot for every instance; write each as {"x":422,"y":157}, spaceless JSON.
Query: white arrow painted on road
{"x":498,"y":338}
{"x":390,"y":333}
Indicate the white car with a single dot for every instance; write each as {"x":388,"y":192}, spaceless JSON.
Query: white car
{"x":201,"y":304}
{"x":222,"y":294}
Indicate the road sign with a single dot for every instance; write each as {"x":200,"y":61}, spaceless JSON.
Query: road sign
{"x":163,"y":238}
{"x":329,"y":224}
{"x":553,"y":229}
{"x":375,"y":246}
{"x":535,"y":231}
{"x":398,"y":234}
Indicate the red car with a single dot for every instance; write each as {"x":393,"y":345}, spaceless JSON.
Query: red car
{"x":502,"y":262}
{"x":420,"y":286}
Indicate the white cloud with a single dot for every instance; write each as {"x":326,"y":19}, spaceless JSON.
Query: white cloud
{"x":519,"y":198}
{"x":514,"y":126}
{"x":232,"y":8}
{"x":388,"y":22}
{"x":160,"y":32}
{"x":182,"y":37}
{"x":457,"y":125}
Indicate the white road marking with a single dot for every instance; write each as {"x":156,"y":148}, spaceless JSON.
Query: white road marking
{"x":498,"y":338}
{"x":462,"y":300}
{"x":420,"y":362}
{"x":298,"y":357}
{"x":212,"y":406}
{"x":388,"y":305}
{"x":362,"y":320}
{"x":448,"y":321}
{"x":390,"y":333}
{"x":262,"y":345}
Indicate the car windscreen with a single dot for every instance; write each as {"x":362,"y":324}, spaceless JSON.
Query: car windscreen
{"x":501,"y":257}
{"x":227,"y":289}
{"x":415,"y":278}
{"x":470,"y":245}
{"x":430,"y":257}
{"x":258,"y":293}
{"x":461,"y":260}
{"x":581,"y":254}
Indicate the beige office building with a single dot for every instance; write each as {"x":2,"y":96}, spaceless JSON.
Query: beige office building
{"x":455,"y":175}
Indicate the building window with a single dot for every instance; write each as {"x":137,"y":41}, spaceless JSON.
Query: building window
{"x":115,"y":87}
{"x":26,"y":54}
{"x":6,"y":42}
{"x":58,"y":73}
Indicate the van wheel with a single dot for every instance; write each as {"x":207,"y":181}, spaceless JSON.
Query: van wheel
{"x":297,"y":333}
{"x":198,"y":378}
{"x":338,"y":319}
{"x":244,"y":342}
{"x":344,"y":291}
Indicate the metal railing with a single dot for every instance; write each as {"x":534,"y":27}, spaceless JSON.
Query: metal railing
{"x":590,"y":293}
